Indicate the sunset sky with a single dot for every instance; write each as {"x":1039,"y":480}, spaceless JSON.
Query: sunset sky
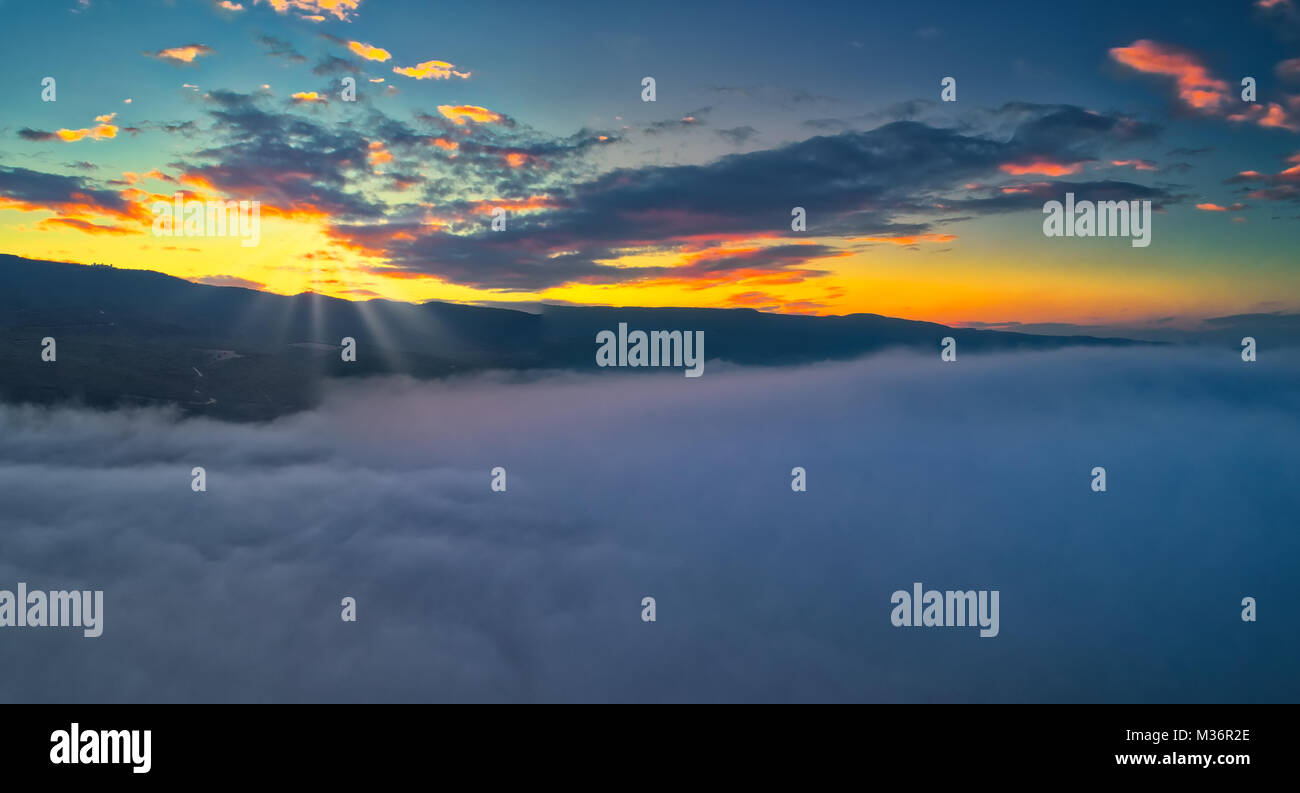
{"x":916,"y":208}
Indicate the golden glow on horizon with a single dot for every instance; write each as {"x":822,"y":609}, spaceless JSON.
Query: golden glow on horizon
{"x":297,"y":255}
{"x":907,"y":277}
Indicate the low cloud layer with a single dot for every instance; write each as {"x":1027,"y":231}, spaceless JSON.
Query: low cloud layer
{"x":972,"y":475}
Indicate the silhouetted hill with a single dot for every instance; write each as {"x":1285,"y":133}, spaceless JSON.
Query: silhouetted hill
{"x":141,"y":337}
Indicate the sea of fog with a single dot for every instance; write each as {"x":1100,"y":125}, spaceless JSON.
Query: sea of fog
{"x":967,"y":475}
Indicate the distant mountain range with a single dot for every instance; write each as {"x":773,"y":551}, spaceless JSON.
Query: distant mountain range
{"x":136,"y":337}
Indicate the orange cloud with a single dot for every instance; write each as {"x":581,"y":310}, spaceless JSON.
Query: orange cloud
{"x":459,"y":113}
{"x":430,"y":70}
{"x":185,"y":54}
{"x":378,"y":154}
{"x":1040,"y":167}
{"x":532,"y":203}
{"x":443,"y":143}
{"x":196,"y":181}
{"x":368,"y":52}
{"x":98,"y":132}
{"x":307,"y":96}
{"x":312,"y":9}
{"x":73,"y":208}
{"x":746,"y":263}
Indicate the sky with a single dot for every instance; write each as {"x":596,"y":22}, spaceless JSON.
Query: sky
{"x":916,"y":207}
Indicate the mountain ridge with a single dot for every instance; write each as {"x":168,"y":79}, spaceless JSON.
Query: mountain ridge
{"x":126,"y":336}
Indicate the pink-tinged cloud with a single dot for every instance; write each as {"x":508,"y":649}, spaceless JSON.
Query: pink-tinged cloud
{"x":1202,"y":92}
{"x":1196,"y":87}
{"x":341,"y":10}
{"x":369,"y":52}
{"x":1041,"y":168}
{"x":1208,"y":207}
{"x":1140,"y":165}
{"x":461,"y":113}
{"x":1288,"y":70}
{"x":1268,"y":115}
{"x":229,"y":6}
{"x":431,"y":70}
{"x":1281,"y":186}
{"x":186,"y":54}
{"x":1026,"y":189}
{"x":530,"y":204}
